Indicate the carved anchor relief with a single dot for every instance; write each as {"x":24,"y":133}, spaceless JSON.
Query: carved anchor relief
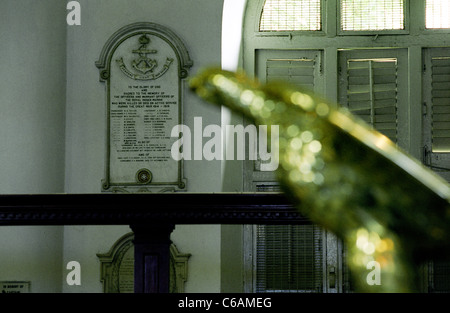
{"x":143,"y":64}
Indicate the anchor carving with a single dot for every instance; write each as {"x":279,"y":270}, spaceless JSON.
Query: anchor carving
{"x":143,"y":64}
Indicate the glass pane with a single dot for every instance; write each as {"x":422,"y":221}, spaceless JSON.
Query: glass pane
{"x":438,"y":14}
{"x":372,"y":15}
{"x":291,"y":15}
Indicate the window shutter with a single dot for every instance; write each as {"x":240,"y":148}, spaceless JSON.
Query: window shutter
{"x":372,"y":93}
{"x":299,"y":72}
{"x":440,"y":104}
{"x":289,"y":258}
{"x":286,"y":258}
{"x":438,"y":276}
{"x":302,"y":68}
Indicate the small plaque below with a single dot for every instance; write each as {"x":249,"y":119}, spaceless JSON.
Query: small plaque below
{"x":14,"y":287}
{"x":117,"y":267}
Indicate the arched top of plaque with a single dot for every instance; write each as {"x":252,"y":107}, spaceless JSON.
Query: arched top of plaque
{"x":144,"y":65}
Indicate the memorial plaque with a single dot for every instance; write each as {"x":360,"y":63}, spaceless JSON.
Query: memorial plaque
{"x":143,"y":66}
{"x":14,"y":287}
{"x":126,"y":272}
{"x":117,"y":267}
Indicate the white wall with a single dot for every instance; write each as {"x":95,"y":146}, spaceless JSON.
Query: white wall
{"x":198,"y":24}
{"x":52,"y":131}
{"x":32,"y":96}
{"x":32,"y":101}
{"x":232,"y":171}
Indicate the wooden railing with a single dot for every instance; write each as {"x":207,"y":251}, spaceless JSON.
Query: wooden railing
{"x":152,"y":217}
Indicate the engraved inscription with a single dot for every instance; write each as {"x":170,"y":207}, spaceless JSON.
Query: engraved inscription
{"x":141,"y":117}
{"x":143,"y":112}
{"x":126,"y":273}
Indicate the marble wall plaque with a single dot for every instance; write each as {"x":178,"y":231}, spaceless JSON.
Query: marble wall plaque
{"x":143,"y":66}
{"x":126,"y":272}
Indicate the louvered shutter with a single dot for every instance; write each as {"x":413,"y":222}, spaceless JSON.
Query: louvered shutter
{"x":286,"y":257}
{"x":436,"y":138}
{"x":436,"y":118}
{"x":438,"y":276}
{"x":299,"y":67}
{"x":289,"y":258}
{"x":372,"y":93}
{"x":373,"y":85}
{"x":299,"y":72}
{"x":440,"y":104}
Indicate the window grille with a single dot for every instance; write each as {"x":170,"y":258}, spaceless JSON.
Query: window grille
{"x":372,"y":15}
{"x":437,"y":14}
{"x":438,"y":276}
{"x":291,"y":15}
{"x":289,"y":258}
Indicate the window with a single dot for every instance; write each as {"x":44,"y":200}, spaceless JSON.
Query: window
{"x":437,"y":14}
{"x":298,"y":67}
{"x":398,"y":82}
{"x":291,"y":15}
{"x":286,"y":258}
{"x":372,"y":15}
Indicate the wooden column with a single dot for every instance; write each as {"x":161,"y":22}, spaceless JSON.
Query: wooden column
{"x":152,"y":257}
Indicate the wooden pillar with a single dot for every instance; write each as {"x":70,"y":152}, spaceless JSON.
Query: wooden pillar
{"x":152,"y":257}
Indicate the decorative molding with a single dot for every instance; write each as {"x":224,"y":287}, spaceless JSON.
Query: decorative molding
{"x":111,"y":261}
{"x":182,"y":53}
{"x":178,"y":269}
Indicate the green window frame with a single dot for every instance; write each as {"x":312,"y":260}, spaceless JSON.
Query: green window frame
{"x":413,"y":84}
